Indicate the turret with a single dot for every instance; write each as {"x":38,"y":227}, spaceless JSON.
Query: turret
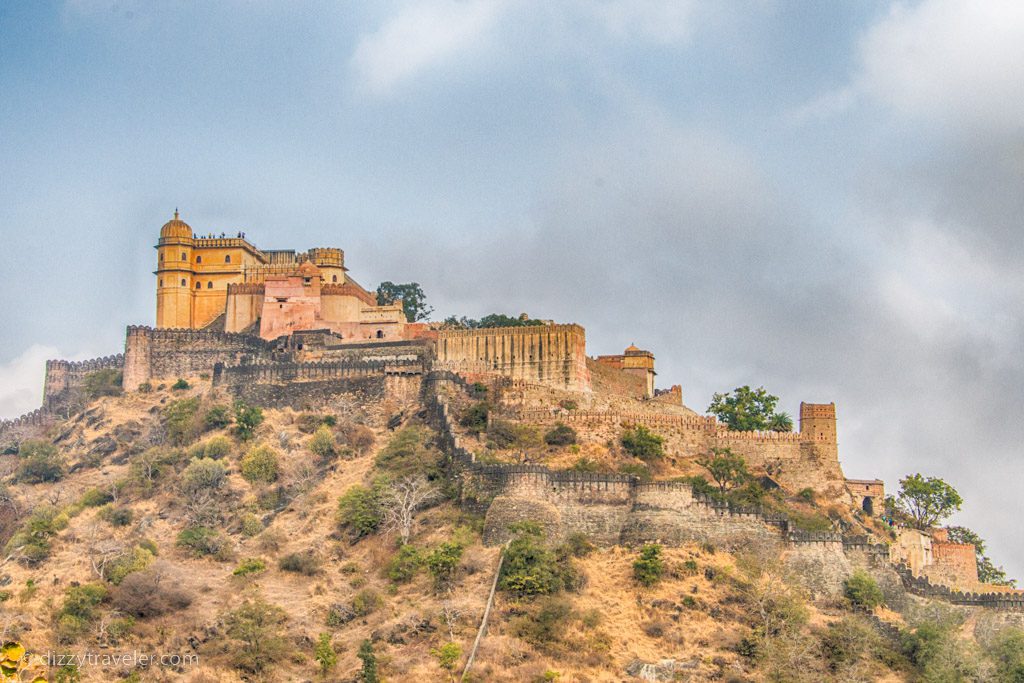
{"x":818,"y":421}
{"x":174,"y":274}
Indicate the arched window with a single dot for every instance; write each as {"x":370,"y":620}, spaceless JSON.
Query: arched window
{"x":199,"y":285}
{"x":227,"y":259}
{"x":161,"y":282}
{"x":184,"y":256}
{"x":199,"y":259}
{"x":183,"y":283}
{"x":380,"y":334}
{"x":161,"y":256}
{"x":334,"y":278}
{"x":209,"y":285}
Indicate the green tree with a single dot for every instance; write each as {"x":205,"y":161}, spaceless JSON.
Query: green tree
{"x":560,"y":435}
{"x":260,"y":465}
{"x":531,"y":567}
{"x":442,"y":563}
{"x":414,"y":301}
{"x":325,"y":654}
{"x":728,"y":469}
{"x":247,"y":419}
{"x":642,"y":443}
{"x":863,"y":591}
{"x":447,"y":657}
{"x":39,"y":461}
{"x":1007,"y":653}
{"x":927,"y":500}
{"x":746,"y":410}
{"x":368,"y":674}
{"x":181,"y":422}
{"x":257,"y":625}
{"x":649,"y":567}
{"x":360,"y":510}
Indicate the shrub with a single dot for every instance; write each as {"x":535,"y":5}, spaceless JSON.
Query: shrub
{"x":260,"y":466}
{"x":806,"y":495}
{"x":530,"y":566}
{"x":862,"y":590}
{"x":368,"y":672}
{"x":448,"y":656}
{"x":180,"y":385}
{"x":325,"y":655}
{"x":79,"y":610}
{"x":102,"y":383}
{"x":366,"y":602}
{"x":145,"y":388}
{"x":323,"y":444}
{"x":252,"y":565}
{"x":1007,"y":654}
{"x":217,"y":417}
{"x":34,"y":536}
{"x":202,"y":541}
{"x":359,"y":437}
{"x":149,"y":593}
{"x":406,"y":454}
{"x":202,"y":474}
{"x":359,"y":510}
{"x":38,"y":462}
{"x":568,"y":404}
{"x":546,"y":624}
{"x":649,"y":567}
{"x":94,"y":498}
{"x":578,"y":545}
{"x":404,"y":565}
{"x":251,"y":525}
{"x":257,"y":625}
{"x":149,"y":466}
{"x":135,"y":561}
{"x":638,"y":470}
{"x":701,"y":486}
{"x":810,"y":521}
{"x":442,"y":563}
{"x":217,"y":448}
{"x":561,"y":435}
{"x":181,"y":421}
{"x":642,"y":443}
{"x":504,"y":434}
{"x":247,"y":420}
{"x":845,"y":642}
{"x":474,"y":418}
{"x":585,"y":465}
{"x":116,"y":515}
{"x":305,"y":563}
{"x":308,"y":423}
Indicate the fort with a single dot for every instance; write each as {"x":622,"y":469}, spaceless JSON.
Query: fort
{"x":286,"y":328}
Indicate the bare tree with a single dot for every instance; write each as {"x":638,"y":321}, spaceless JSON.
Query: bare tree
{"x":103,"y":550}
{"x":402,"y":500}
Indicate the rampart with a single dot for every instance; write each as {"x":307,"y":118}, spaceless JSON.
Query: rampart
{"x":65,"y":380}
{"x":549,"y":354}
{"x":152,"y":354}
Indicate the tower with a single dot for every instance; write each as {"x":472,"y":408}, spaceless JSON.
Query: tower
{"x":174,"y":274}
{"x":638,"y":362}
{"x":818,"y":421}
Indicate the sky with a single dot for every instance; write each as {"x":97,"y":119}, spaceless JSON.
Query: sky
{"x":821,"y":198}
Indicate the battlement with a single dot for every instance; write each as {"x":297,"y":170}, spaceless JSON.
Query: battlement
{"x":65,"y":379}
{"x":517,"y":330}
{"x":245,"y":288}
{"x":349,"y":289}
{"x":115,"y":361}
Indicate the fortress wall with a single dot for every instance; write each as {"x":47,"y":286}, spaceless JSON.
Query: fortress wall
{"x":547,"y":354}
{"x":64,"y":380}
{"x":954,"y":565}
{"x":244,"y":306}
{"x":152,"y":354}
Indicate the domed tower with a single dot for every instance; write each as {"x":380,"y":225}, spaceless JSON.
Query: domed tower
{"x":174,"y":274}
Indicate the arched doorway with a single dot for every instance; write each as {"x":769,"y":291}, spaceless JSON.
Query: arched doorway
{"x":868,"y":505}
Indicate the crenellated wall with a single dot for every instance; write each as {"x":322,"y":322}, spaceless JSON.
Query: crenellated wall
{"x":64,"y":380}
{"x":152,"y":354}
{"x":549,"y":354}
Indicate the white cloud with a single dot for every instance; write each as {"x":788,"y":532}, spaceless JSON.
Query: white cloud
{"x":423,"y":36}
{"x":21,"y":381}
{"x":658,"y":20}
{"x":956,"y":63}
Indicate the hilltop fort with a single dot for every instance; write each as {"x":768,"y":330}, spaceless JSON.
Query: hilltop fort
{"x":284,"y":328}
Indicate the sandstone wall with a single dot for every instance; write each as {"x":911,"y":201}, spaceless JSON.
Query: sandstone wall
{"x":152,"y":354}
{"x":64,"y":380}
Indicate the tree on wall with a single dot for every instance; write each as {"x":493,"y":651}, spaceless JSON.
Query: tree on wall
{"x":746,"y":410}
{"x":927,"y":500}
{"x":492,"y":320}
{"x":988,"y":572}
{"x":414,"y":301}
{"x":726,"y":468}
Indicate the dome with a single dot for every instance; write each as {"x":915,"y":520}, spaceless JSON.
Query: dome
{"x":175,"y":228}
{"x":632,"y":347}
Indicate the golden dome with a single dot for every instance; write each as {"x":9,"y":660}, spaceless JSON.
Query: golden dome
{"x":176,"y":228}
{"x":632,"y":347}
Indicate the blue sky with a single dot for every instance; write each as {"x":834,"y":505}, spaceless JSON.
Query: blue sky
{"x":823,"y":198}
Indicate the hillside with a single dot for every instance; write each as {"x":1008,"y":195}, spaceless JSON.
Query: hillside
{"x":157,"y":524}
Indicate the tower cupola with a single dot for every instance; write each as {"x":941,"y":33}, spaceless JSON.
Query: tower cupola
{"x":176,"y":228}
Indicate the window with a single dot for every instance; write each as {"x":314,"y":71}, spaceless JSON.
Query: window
{"x":161,"y":282}
{"x":334,"y":278}
{"x":227,"y":259}
{"x":380,"y":334}
{"x":183,"y":283}
{"x":199,"y":259}
{"x":184,"y":256}
{"x":209,"y":285}
{"x":199,"y":285}
{"x":161,"y":256}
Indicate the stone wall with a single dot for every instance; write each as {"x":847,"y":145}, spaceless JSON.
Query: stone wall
{"x":167,"y":354}
{"x":64,"y":380}
{"x":549,"y":354}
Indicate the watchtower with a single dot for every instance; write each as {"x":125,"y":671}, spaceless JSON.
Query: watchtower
{"x":818,"y":421}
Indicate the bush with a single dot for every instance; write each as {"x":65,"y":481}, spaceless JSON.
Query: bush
{"x":530,"y":566}
{"x":217,"y":448}
{"x":358,"y":437}
{"x":578,"y":545}
{"x":79,"y":610}
{"x":359,"y":510}
{"x":1007,"y":654}
{"x":442,"y":563}
{"x":202,"y":474}
{"x":642,"y":443}
{"x":202,"y":541}
{"x":217,"y":417}
{"x":102,"y":383}
{"x":137,"y":560}
{"x":701,"y":486}
{"x":38,"y":462}
{"x":561,"y":435}
{"x":116,"y":515}
{"x":546,"y":624}
{"x":260,"y":466}
{"x":34,"y":536}
{"x":247,"y":420}
{"x":405,"y":564}
{"x":94,"y":498}
{"x":366,"y":602}
{"x":406,"y":454}
{"x":862,"y":590}
{"x":323,"y":444}
{"x":638,"y":470}
{"x":180,"y":385}
{"x":585,"y":465}
{"x":150,"y":466}
{"x":251,"y":525}
{"x":447,"y":656}
{"x":257,"y":625}
{"x":474,"y":418}
{"x":325,"y":655}
{"x":368,"y":672}
{"x":504,"y":434}
{"x":181,"y":421}
{"x":806,"y":495}
{"x":249,"y":566}
{"x":649,"y":567}
{"x":149,"y":593}
{"x":305,"y":563}
{"x":309,"y":423}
